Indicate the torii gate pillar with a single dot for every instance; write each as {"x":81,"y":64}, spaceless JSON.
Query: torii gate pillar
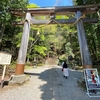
{"x":24,"y":45}
{"x":85,"y":55}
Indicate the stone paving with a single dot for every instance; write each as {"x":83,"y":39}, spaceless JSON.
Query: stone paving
{"x":47,"y":83}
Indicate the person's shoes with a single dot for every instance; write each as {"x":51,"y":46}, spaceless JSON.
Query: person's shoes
{"x":63,"y":75}
{"x":66,"y":77}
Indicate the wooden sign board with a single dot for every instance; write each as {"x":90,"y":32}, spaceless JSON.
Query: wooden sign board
{"x":5,"y":58}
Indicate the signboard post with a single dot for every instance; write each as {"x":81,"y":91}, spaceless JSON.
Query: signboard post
{"x":5,"y":59}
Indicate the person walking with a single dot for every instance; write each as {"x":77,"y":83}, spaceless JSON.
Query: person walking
{"x":65,"y":69}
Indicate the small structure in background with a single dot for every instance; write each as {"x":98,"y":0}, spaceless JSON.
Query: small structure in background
{"x":5,"y":59}
{"x":92,"y":82}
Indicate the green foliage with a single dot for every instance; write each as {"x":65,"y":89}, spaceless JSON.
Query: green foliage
{"x":18,"y":39}
{"x":40,"y":49}
{"x":16,"y":4}
{"x":42,"y":37}
{"x":62,"y":17}
{"x":86,"y":2}
{"x":68,"y":49}
{"x":6,"y":5}
{"x":32,"y":6}
{"x":9,"y":41}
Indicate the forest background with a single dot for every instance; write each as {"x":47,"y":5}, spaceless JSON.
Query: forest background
{"x":57,"y":42}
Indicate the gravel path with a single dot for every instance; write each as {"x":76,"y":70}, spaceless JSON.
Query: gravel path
{"x":47,"y":83}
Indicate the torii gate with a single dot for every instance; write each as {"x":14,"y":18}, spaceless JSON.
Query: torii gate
{"x":78,"y":11}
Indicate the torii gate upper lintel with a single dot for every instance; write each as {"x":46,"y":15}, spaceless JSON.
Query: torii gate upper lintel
{"x":78,"y":11}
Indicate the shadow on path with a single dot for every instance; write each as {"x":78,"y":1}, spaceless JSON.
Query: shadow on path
{"x":53,"y":86}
